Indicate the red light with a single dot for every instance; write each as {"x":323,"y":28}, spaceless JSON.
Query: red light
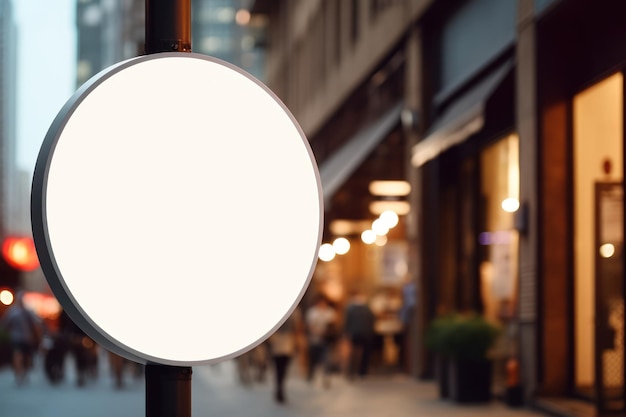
{"x":20,"y":253}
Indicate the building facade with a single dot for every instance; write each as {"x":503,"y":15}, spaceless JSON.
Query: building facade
{"x":112,"y":31}
{"x":8,"y":141}
{"x":8,"y":101}
{"x":506,"y":118}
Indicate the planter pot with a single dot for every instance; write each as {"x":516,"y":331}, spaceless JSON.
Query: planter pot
{"x":5,"y":354}
{"x":514,"y":396}
{"x":442,"y":365}
{"x":470,"y":380}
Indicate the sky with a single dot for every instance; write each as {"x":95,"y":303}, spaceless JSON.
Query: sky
{"x":46,"y":70}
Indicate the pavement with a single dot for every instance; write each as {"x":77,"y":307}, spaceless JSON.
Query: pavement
{"x":217,"y":392}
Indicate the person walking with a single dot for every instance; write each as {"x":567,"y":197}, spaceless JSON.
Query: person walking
{"x":282,"y":347}
{"x":25,"y":329}
{"x":359,"y":330}
{"x":320,"y":320}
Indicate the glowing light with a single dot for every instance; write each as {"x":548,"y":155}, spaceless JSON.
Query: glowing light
{"x":402,"y":208}
{"x":341,"y":246}
{"x":368,"y":237}
{"x":342,"y":227}
{"x":242,"y":17}
{"x":326,"y":252}
{"x":20,"y":253}
{"x":6,"y":297}
{"x":510,"y":205}
{"x":390,"y":218}
{"x":381,"y":240}
{"x":390,"y":188}
{"x":500,"y":237}
{"x":607,"y":250}
{"x":379,"y":227}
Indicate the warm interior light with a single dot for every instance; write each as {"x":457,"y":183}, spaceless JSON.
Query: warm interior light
{"x":390,"y":188}
{"x":326,"y":252}
{"x":607,"y":250}
{"x":379,"y":227}
{"x":400,"y":207}
{"x":510,"y":205}
{"x":390,"y":218}
{"x":343,"y":227}
{"x":341,"y":245}
{"x":368,"y":236}
{"x":340,"y":227}
{"x":6,"y":297}
{"x":381,"y":240}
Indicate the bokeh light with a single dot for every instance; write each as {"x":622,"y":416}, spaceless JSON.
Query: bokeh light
{"x":6,"y":297}
{"x":510,"y":205}
{"x":341,"y":245}
{"x":20,"y":253}
{"x":379,"y":227}
{"x":607,"y":250}
{"x":390,"y":218}
{"x":326,"y":252}
{"x":368,"y":236}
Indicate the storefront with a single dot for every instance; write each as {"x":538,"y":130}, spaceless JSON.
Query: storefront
{"x":468,"y":166}
{"x":580,"y":66}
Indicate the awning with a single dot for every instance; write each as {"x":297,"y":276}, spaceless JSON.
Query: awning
{"x":463,"y":118}
{"x":339,"y":166}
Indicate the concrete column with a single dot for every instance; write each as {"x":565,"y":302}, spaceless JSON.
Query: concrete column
{"x":526,"y":120}
{"x":411,"y":118}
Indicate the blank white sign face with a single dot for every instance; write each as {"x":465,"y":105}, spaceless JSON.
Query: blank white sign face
{"x":176,"y":209}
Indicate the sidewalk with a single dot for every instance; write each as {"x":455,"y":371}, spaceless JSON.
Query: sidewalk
{"x":384,"y":396}
{"x":216,"y":392}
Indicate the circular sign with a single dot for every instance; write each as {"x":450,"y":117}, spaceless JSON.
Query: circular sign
{"x":176,"y":209}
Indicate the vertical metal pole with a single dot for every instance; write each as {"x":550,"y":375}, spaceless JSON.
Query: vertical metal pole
{"x":168,"y":29}
{"x":168,"y":26}
{"x":168,"y":391}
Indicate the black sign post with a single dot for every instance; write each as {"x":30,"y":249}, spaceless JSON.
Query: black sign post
{"x":168,"y":26}
{"x":130,"y":113}
{"x":168,"y":29}
{"x":168,"y":391}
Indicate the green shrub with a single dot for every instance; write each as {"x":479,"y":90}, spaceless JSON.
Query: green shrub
{"x":461,"y":336}
{"x":438,"y":334}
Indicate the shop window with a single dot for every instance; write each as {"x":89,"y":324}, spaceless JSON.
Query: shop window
{"x":499,"y":239}
{"x":598,"y":139}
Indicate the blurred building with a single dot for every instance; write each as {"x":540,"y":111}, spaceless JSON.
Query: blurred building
{"x":8,"y":141}
{"x":506,"y":118}
{"x":8,"y":104}
{"x":222,"y":29}
{"x":110,"y":31}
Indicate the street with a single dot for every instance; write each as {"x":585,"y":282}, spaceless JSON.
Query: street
{"x":216,"y":391}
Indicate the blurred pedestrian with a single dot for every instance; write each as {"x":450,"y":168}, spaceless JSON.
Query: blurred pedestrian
{"x":406,"y":312}
{"x":282,"y":347}
{"x":25,"y":330}
{"x":359,"y":330}
{"x":321,"y":326}
{"x":116,"y":364}
{"x":79,"y":345}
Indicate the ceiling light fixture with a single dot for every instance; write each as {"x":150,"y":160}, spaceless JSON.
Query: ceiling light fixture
{"x":400,"y":207}
{"x":390,"y":188}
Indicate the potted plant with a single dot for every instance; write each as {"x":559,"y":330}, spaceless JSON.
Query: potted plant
{"x":461,"y":344}
{"x":470,"y":368}
{"x":437,"y":340}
